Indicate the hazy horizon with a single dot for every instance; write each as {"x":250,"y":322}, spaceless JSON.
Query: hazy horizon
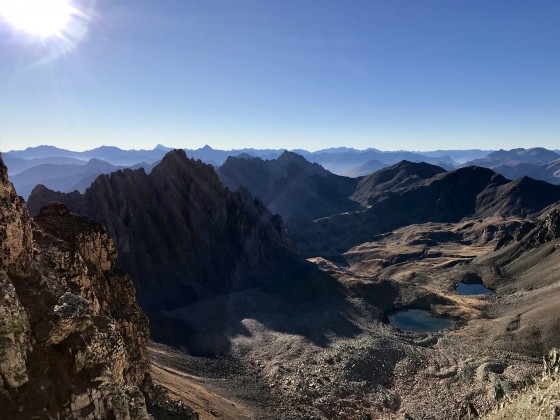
{"x":397,"y":75}
{"x":85,"y":149}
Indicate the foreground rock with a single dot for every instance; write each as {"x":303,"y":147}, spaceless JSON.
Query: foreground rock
{"x":72,"y":336}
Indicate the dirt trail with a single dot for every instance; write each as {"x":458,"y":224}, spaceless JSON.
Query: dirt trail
{"x":195,"y":392}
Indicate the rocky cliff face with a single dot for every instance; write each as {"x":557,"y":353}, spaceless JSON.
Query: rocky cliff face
{"x":72,"y":336}
{"x":182,"y":236}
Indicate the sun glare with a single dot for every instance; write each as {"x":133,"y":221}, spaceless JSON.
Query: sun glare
{"x":42,"y":18}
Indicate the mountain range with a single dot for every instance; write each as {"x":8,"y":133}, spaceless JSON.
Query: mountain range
{"x":67,"y":170}
{"x":538,"y":163}
{"x":444,"y":197}
{"x":259,"y":331}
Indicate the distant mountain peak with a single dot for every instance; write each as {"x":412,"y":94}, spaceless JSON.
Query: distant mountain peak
{"x":162,"y":147}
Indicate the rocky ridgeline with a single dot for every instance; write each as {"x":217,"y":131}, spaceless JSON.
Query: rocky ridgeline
{"x":72,"y":336}
{"x":290,"y":185}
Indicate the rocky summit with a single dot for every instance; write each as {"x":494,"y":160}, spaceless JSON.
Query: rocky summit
{"x":72,"y":335}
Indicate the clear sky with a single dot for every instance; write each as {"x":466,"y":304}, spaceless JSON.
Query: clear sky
{"x":389,"y":74}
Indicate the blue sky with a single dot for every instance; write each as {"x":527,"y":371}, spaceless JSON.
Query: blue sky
{"x":391,"y":74}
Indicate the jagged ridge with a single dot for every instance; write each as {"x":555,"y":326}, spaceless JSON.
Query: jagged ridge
{"x":182,"y":236}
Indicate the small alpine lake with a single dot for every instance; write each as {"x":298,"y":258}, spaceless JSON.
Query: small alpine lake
{"x":472,"y":289}
{"x":418,"y":320}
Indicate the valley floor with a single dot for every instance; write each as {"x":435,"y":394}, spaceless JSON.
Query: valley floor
{"x":254,"y":356}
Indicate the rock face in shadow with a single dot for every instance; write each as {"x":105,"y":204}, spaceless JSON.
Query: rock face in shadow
{"x":72,"y":336}
{"x":290,"y":185}
{"x":183,"y":237}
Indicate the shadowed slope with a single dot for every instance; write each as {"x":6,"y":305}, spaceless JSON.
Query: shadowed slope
{"x":391,"y":179}
{"x":290,"y":185}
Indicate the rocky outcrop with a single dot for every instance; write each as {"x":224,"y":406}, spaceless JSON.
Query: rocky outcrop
{"x":531,"y":234}
{"x":72,"y":336}
{"x":183,"y":237}
{"x":15,"y":225}
{"x":546,"y":229}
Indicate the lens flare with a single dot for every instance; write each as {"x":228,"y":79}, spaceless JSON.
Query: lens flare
{"x":41,"y":18}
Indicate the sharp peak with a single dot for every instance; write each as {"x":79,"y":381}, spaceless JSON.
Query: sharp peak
{"x":162,"y":147}
{"x":173,"y":156}
{"x":178,"y":158}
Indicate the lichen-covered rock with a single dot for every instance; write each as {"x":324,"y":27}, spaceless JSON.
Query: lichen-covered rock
{"x":72,"y":336}
{"x":14,"y":335}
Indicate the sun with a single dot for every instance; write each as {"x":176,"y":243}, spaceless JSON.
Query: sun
{"x":41,"y":18}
